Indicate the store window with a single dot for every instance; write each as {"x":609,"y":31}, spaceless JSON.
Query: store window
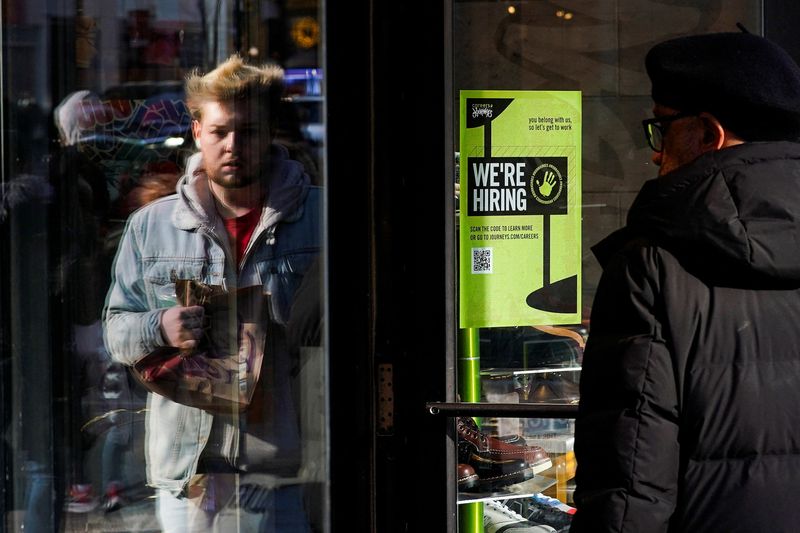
{"x":548,"y":101}
{"x":162,"y":354}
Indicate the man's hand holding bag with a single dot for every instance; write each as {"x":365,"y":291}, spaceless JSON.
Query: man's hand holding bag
{"x":213,"y":358}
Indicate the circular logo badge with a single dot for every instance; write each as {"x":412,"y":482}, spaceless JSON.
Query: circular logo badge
{"x":546,"y":183}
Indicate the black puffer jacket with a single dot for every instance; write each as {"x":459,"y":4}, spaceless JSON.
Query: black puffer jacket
{"x":689,"y":418}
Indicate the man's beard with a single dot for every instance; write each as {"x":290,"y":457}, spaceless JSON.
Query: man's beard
{"x":244,"y":175}
{"x":235,"y":181}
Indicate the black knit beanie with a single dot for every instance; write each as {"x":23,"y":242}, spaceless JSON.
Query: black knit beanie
{"x":749,"y":83}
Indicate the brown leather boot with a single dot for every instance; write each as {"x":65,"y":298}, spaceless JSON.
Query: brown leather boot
{"x":494,"y":475}
{"x":467,"y":478}
{"x":477,"y":445}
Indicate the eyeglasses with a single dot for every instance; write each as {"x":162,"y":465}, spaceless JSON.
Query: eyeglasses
{"x":655,"y":129}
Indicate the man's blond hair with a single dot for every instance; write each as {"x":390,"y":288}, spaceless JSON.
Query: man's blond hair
{"x":235,"y":80}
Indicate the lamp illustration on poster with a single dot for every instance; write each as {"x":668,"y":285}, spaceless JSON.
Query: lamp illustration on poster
{"x":520,"y":216}
{"x":559,"y":296}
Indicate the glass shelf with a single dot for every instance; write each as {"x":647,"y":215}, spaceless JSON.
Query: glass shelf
{"x":525,"y":489}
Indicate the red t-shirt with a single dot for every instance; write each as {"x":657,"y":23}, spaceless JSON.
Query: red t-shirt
{"x":240,"y":230}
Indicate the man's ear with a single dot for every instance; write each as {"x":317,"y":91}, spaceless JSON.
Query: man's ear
{"x":714,"y":134}
{"x":196,"y":128}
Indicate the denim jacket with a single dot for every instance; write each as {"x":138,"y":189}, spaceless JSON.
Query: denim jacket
{"x":183,"y":236}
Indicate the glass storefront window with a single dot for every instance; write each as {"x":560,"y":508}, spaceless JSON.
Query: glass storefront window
{"x":96,"y":126}
{"x":515,"y":64}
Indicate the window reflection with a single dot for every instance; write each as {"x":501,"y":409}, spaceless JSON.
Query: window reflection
{"x":98,"y":130}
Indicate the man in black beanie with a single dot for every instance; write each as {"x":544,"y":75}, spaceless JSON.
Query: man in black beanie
{"x":690,"y":391}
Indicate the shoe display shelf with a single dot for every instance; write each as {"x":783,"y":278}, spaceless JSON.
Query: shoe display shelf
{"x":561,"y":448}
{"x":526,"y":489}
{"x":551,"y":384}
{"x":556,"y":438}
{"x":527,"y":391}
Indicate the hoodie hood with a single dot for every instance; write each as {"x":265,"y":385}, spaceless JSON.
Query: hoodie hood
{"x":287,"y":188}
{"x":738,"y":208}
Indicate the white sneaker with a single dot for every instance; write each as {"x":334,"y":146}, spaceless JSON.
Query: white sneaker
{"x":497,"y":517}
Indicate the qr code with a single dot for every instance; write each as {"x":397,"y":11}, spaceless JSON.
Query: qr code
{"x":481,"y":260}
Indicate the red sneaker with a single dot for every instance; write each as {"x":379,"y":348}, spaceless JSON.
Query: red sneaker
{"x":81,"y":499}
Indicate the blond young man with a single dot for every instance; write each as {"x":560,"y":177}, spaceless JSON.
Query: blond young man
{"x":244,"y":220}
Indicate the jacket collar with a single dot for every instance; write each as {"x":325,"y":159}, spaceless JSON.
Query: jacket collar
{"x":738,"y":208}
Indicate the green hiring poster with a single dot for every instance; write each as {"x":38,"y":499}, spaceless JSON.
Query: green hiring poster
{"x":520,"y":208}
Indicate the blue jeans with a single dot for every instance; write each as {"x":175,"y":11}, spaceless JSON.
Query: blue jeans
{"x":216,"y":508}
